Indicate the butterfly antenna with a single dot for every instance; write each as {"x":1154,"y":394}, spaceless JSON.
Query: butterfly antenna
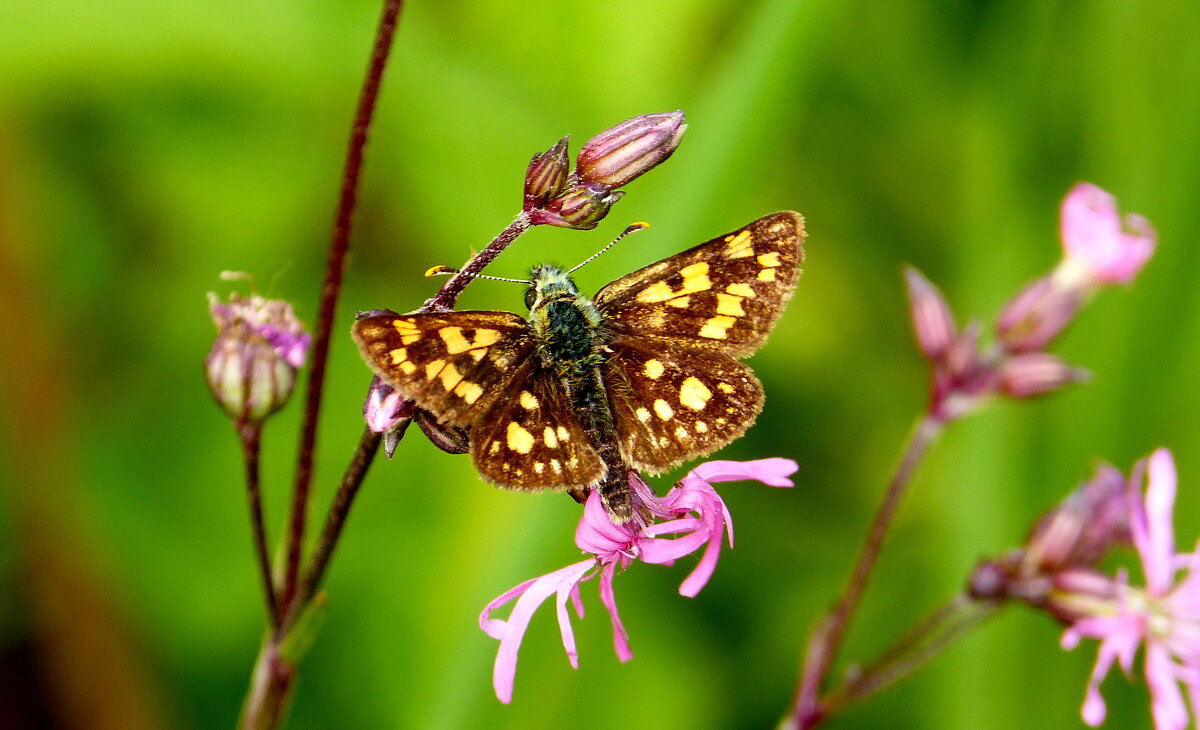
{"x":440,"y":270}
{"x":633,"y":227}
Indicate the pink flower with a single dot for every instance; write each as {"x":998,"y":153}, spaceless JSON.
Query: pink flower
{"x":1165,"y":615}
{"x":1094,"y":242}
{"x":691,"y":512}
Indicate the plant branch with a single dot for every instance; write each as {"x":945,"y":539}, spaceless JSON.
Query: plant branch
{"x":335,"y":268}
{"x":251,"y":435}
{"x":446,"y":297}
{"x":826,"y":638}
{"x":368,"y":446}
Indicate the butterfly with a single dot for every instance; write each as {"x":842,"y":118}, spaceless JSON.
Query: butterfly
{"x":644,"y":375}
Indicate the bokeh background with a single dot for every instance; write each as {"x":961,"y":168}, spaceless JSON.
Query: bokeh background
{"x":145,"y":146}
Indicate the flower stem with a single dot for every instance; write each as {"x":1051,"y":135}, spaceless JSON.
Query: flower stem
{"x":251,"y":435}
{"x":351,"y":481}
{"x":446,"y":297}
{"x":826,"y":639}
{"x":923,"y":642}
{"x":334,"y":270}
{"x":270,"y":689}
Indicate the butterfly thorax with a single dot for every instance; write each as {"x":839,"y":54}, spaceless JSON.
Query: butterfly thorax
{"x":571,"y":343}
{"x":565,"y":323}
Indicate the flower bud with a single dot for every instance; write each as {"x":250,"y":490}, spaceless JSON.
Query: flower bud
{"x":251,"y":369}
{"x":546,"y":176}
{"x":1083,"y":527}
{"x":933,"y":324}
{"x":451,"y":439}
{"x":1038,"y":314}
{"x":1035,"y":373}
{"x":620,"y":154}
{"x":581,"y":207}
{"x":385,"y":408}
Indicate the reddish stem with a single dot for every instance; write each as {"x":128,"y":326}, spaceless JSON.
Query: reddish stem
{"x":334,"y":270}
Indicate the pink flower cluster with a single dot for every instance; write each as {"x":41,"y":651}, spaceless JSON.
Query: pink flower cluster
{"x":689,"y":517}
{"x":1164,"y":616}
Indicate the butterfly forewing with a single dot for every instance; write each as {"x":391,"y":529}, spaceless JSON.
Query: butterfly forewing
{"x":531,"y":439}
{"x":674,"y":404}
{"x":453,"y":364}
{"x":722,"y":296}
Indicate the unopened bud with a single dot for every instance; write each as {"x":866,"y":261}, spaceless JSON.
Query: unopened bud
{"x":251,"y":369}
{"x":933,"y":324}
{"x":1038,"y":314}
{"x":581,"y":207}
{"x":385,"y":408}
{"x":546,"y":176}
{"x":1083,"y":527}
{"x":620,"y":154}
{"x":1035,"y":373}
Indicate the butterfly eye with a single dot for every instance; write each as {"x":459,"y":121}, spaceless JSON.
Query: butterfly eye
{"x":530,"y":297}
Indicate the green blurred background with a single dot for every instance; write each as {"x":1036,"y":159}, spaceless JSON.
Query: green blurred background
{"x":145,"y":146}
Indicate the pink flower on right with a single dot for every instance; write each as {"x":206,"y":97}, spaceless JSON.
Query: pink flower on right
{"x":1095,"y":245}
{"x":1165,"y":615}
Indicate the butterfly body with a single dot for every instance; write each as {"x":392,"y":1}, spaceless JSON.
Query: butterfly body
{"x":642,"y":376}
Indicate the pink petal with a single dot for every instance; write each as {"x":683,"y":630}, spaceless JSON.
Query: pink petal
{"x":511,"y":632}
{"x":609,"y":599}
{"x":1158,"y":551}
{"x":773,"y":472}
{"x":1092,"y":235}
{"x":1166,"y":701}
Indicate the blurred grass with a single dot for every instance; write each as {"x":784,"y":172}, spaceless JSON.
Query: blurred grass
{"x":144,"y":147}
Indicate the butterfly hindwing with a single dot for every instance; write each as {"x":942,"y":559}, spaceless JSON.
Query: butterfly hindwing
{"x":722,"y":296}
{"x":453,"y":364}
{"x":671,"y":404}
{"x":531,"y":438}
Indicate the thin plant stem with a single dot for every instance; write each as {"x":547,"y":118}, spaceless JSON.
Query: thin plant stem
{"x":448,"y":294}
{"x":368,"y":446}
{"x":251,"y":437}
{"x":334,"y":271}
{"x":827,"y":637}
{"x":922,"y":643}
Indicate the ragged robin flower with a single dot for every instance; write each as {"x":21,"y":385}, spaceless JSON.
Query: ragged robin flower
{"x":1163,"y":616}
{"x":251,"y":369}
{"x":689,"y":517}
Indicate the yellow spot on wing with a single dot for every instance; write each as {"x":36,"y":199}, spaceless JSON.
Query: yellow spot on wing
{"x":766,"y":275}
{"x":399,"y":355}
{"x":433,"y":367}
{"x":679,"y":302}
{"x":663,"y":409}
{"x":549,"y":437}
{"x":563,"y":434}
{"x":729,"y":304}
{"x":451,"y":377}
{"x":769,"y":259}
{"x":715,"y":327}
{"x":739,"y":247}
{"x":643,"y":415}
{"x":725,"y":387}
{"x":659,"y":291}
{"x":407,"y":368}
{"x":695,"y":278}
{"x":556,"y":465}
{"x":539,"y":467}
{"x":468,"y":391}
{"x":528,"y":400}
{"x":701,"y":427}
{"x":653,"y":369}
{"x":741,"y":290}
{"x":519,"y":440}
{"x":693,"y":394}
{"x":682,"y":434}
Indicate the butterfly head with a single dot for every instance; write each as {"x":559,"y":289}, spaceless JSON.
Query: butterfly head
{"x":547,"y":284}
